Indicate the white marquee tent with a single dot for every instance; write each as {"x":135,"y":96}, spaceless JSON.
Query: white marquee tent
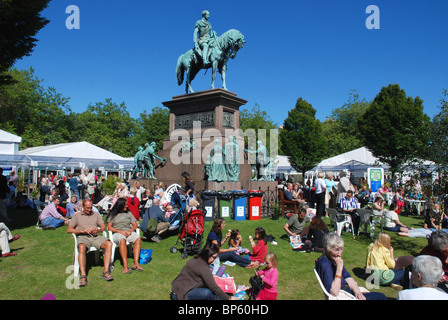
{"x":356,"y":160}
{"x":67,"y":156}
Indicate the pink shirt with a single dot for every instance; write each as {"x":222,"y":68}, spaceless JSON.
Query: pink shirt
{"x":270,"y":279}
{"x":50,"y":211}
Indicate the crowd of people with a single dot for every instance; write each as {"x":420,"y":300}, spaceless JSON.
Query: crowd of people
{"x":132,"y":209}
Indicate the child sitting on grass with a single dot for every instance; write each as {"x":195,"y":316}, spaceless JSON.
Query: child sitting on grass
{"x":259,"y":249}
{"x":236,"y":240}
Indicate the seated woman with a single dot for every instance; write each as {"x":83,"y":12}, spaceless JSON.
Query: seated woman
{"x":195,"y":281}
{"x":334,"y":276}
{"x":215,"y":236}
{"x":316,"y":234}
{"x":378,"y":207}
{"x":393,"y":223}
{"x":121,"y":191}
{"x":380,"y":262}
{"x":123,"y":224}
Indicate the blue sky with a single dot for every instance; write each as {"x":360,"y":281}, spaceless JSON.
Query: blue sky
{"x":319,"y":50}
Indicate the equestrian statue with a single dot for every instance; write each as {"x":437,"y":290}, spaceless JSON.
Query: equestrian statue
{"x":209,"y":51}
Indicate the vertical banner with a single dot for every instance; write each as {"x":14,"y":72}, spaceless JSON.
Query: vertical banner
{"x":375,"y":178}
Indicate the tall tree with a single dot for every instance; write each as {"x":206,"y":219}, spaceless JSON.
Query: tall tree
{"x":395,"y":128}
{"x":258,"y":120}
{"x":301,"y":137}
{"x":438,"y":144}
{"x":153,"y":126}
{"x":19,"y":23}
{"x":35,"y":113}
{"x":341,"y":129}
{"x":108,"y":126}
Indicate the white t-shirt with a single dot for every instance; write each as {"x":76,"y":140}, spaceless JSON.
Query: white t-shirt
{"x":320,"y":185}
{"x":422,"y":293}
{"x":390,"y":217}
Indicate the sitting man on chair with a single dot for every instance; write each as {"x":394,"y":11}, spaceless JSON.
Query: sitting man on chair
{"x":86,"y":225}
{"x":349,"y":204}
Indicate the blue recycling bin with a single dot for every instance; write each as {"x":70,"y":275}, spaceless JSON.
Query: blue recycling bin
{"x":239,"y":204}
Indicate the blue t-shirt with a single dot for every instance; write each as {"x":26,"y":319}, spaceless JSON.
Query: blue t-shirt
{"x":73,"y":182}
{"x":287,"y":195}
{"x":327,"y":269}
{"x":212,"y":236}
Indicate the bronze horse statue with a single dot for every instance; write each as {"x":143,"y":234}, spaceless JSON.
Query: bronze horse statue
{"x":225,"y":46}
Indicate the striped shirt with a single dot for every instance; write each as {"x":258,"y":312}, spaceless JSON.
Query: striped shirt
{"x":349,"y":204}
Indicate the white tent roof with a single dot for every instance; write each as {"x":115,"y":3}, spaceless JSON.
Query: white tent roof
{"x":283,"y":165}
{"x":9,"y":137}
{"x":74,"y":149}
{"x":360,"y":158}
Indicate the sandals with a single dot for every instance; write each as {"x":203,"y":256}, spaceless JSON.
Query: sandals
{"x":128,"y":271}
{"x":82,"y":283}
{"x":107,"y":278}
{"x":137,"y":268}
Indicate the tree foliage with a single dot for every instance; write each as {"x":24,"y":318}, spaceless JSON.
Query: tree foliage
{"x":438,"y":144}
{"x":30,"y":110}
{"x":109,"y":126}
{"x":20,"y":22}
{"x":394,"y":127}
{"x":301,"y":137}
{"x":341,"y":127}
{"x":258,"y":120}
{"x":153,"y":126}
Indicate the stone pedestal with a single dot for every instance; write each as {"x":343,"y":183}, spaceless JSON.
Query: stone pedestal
{"x":203,"y":117}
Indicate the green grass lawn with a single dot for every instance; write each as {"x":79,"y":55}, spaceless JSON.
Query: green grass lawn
{"x":45,"y":257}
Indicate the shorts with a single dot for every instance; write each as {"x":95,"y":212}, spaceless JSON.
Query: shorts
{"x":117,"y":237}
{"x":91,"y":241}
{"x":162,"y":227}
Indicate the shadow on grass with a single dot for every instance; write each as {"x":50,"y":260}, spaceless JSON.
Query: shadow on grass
{"x":22,"y":218}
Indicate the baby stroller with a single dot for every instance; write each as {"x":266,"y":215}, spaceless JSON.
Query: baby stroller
{"x":190,"y":233}
{"x":178,"y":202}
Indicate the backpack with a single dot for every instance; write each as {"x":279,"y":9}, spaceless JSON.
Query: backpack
{"x":151,"y":227}
{"x":257,"y":285}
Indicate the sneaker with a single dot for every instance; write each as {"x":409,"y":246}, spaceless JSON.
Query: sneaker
{"x":156,"y":238}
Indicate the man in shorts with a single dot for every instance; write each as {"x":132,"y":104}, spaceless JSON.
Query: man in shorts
{"x":86,"y":225}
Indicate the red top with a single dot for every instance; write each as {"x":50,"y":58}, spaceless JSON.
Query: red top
{"x":134,"y":206}
{"x":259,"y":252}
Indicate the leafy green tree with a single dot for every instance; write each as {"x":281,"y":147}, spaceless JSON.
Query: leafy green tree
{"x":438,"y":144}
{"x":153,"y":126}
{"x":257,"y":119}
{"x":30,"y":110}
{"x":341,"y":129}
{"x":108,"y":126}
{"x":302,"y":137}
{"x":20,"y":22}
{"x":394,"y":127}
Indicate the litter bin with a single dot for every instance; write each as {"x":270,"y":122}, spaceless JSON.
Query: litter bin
{"x":255,"y":204}
{"x":224,"y":203}
{"x":208,"y":203}
{"x":239,"y":204}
